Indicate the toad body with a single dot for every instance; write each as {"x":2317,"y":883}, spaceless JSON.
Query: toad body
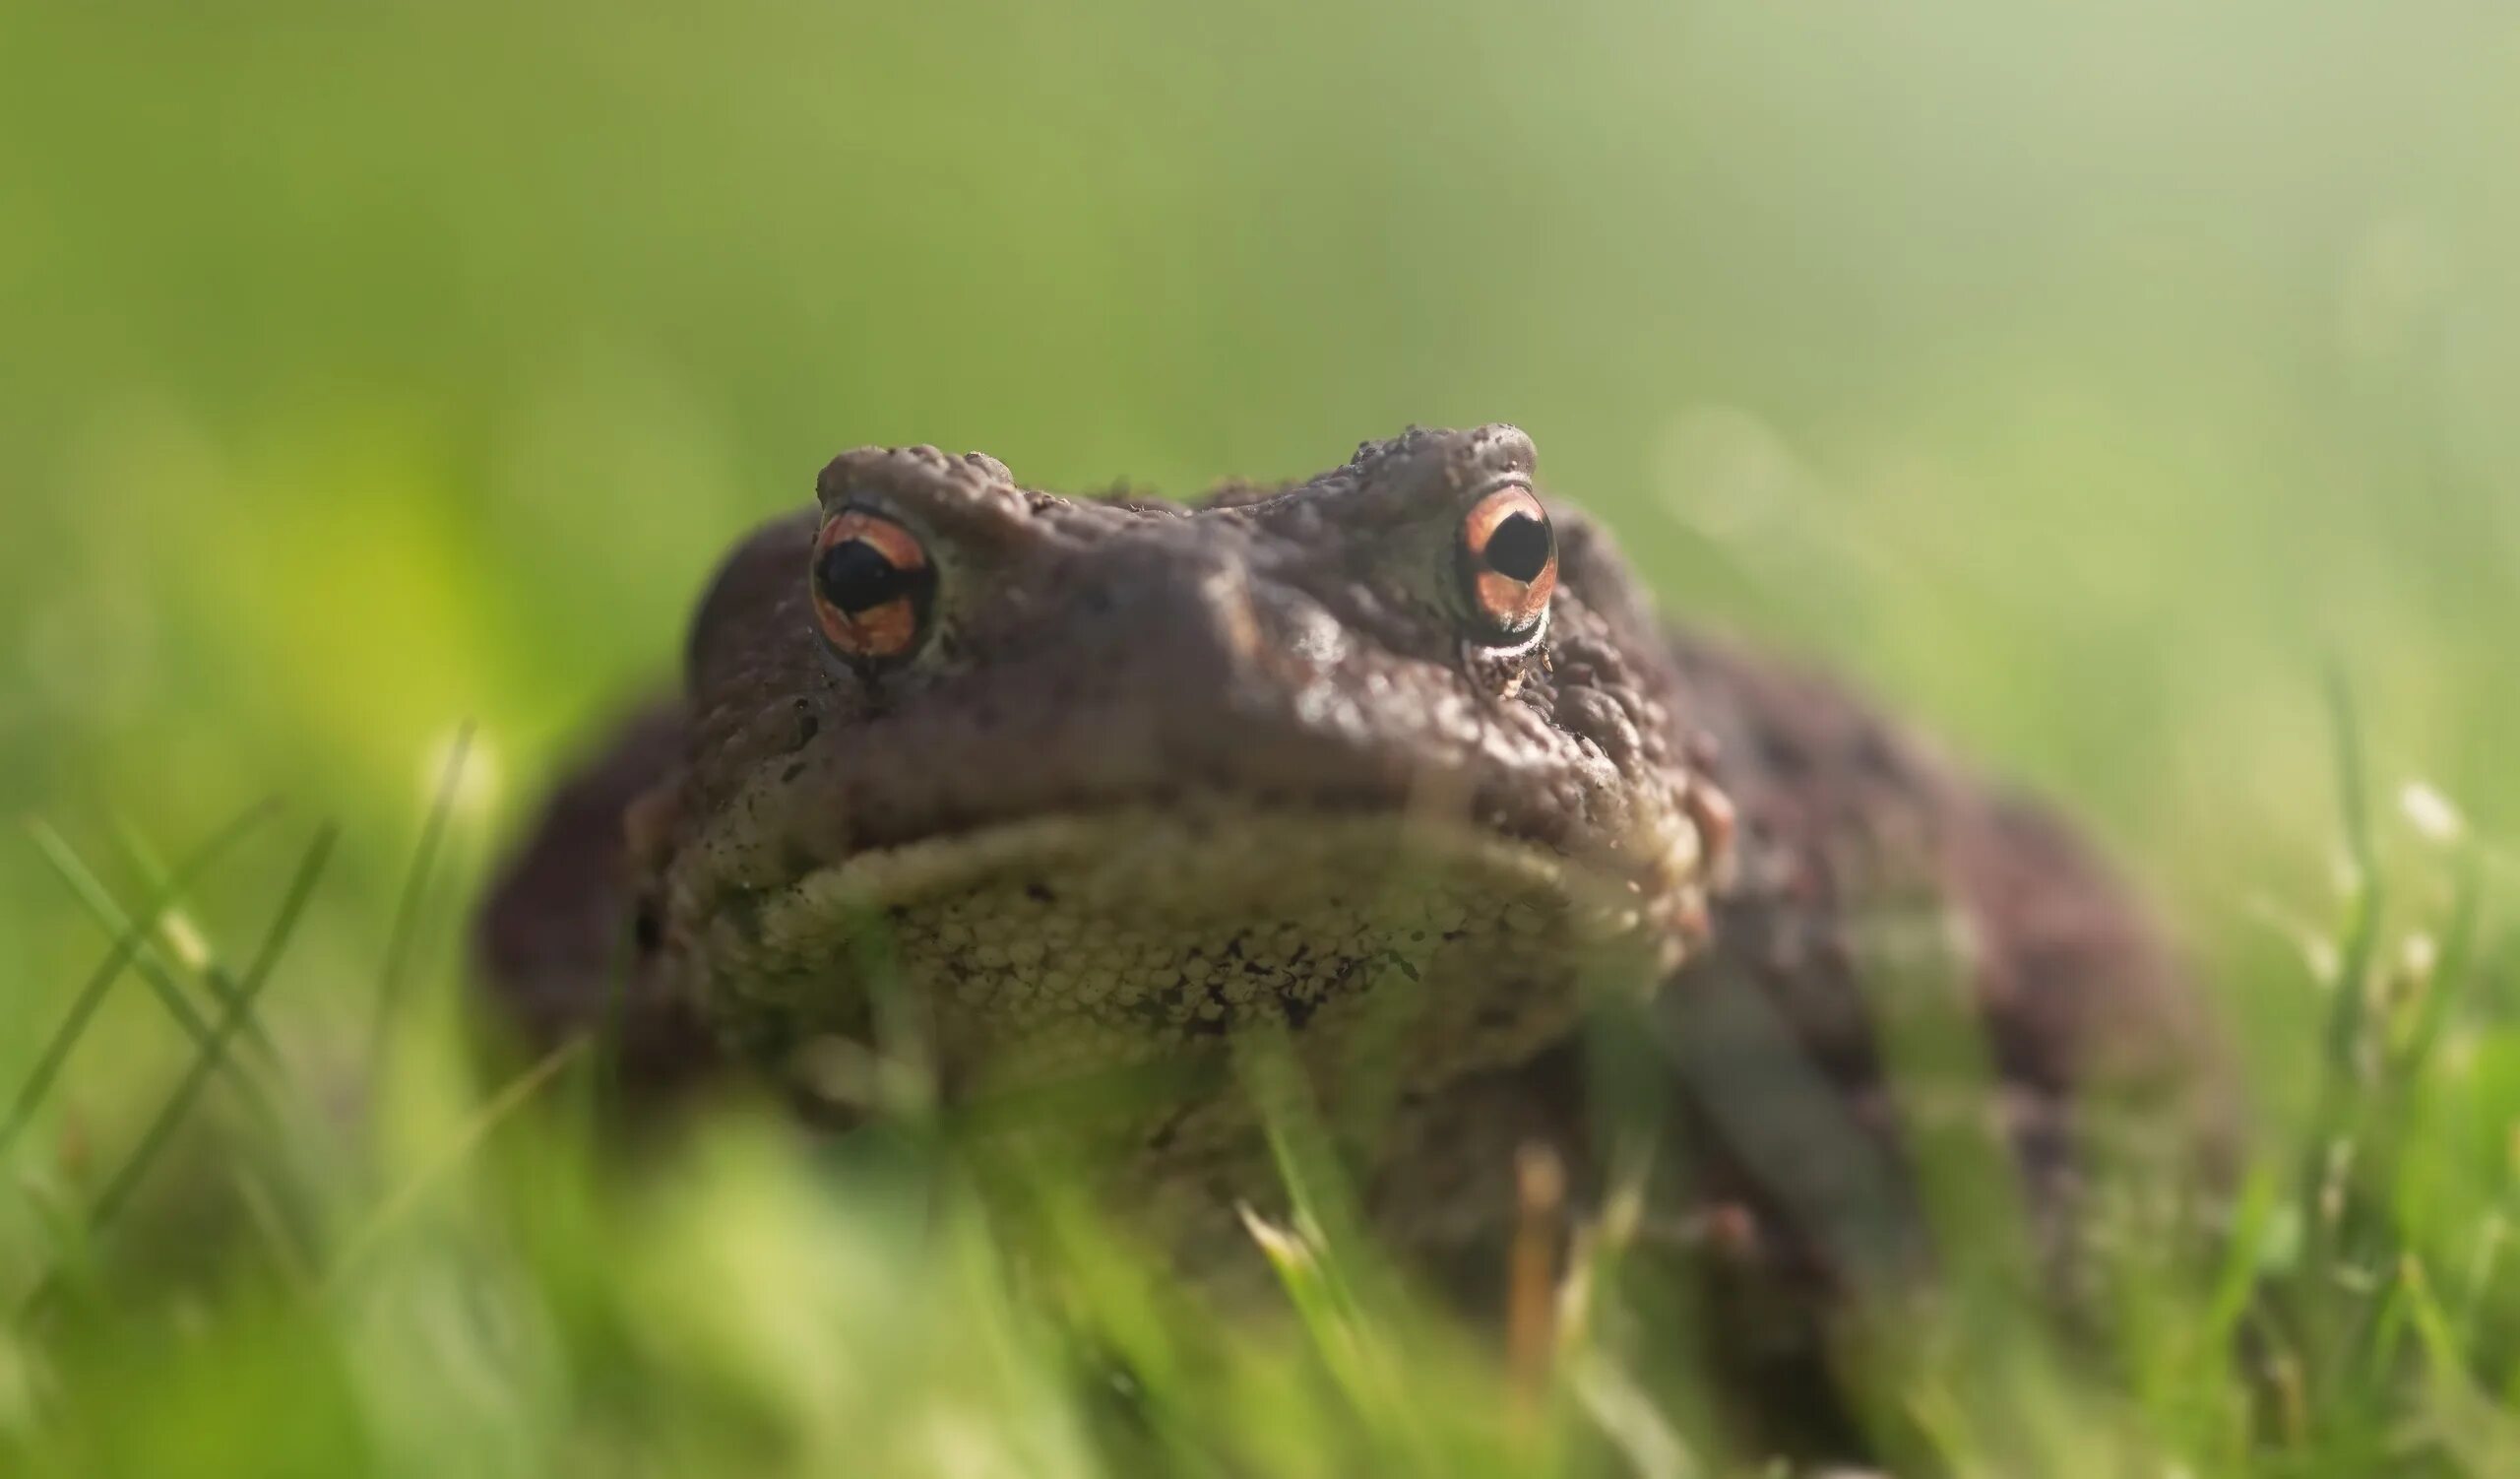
{"x":1392,"y":771}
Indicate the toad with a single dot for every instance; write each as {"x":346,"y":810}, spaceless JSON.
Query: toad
{"x":1392,"y":776}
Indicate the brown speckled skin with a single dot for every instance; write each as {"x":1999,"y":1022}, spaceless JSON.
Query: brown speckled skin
{"x":1102,"y":653}
{"x":1295,"y":649}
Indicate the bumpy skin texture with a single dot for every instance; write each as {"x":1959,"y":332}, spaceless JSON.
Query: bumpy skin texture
{"x":1158,"y":774}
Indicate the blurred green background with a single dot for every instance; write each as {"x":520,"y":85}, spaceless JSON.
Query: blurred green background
{"x":2082,"y":377}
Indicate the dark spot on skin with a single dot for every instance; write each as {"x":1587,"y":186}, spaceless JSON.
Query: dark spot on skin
{"x":1040,"y":893}
{"x":741,"y":908}
{"x":648,"y":928}
{"x":788,"y":776}
{"x":1298,"y":1009}
{"x":807,"y":724}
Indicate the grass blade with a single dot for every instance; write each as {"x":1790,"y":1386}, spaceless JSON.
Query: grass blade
{"x":2344,"y":1087}
{"x":232,"y":1021}
{"x":100,"y":984}
{"x":2452,"y":974}
{"x":144,"y":958}
{"x":194,"y":952}
{"x":415,"y":888}
{"x":209,"y":1060}
{"x":518,"y":1092}
{"x":2352,"y":794}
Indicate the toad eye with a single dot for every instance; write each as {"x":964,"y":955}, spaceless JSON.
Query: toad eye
{"x":873,"y":585}
{"x":1508,"y":562}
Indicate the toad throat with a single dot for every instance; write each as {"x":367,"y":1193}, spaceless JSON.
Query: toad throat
{"x":1407,"y":950}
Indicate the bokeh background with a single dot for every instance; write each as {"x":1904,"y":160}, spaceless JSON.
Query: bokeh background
{"x":2085,"y":379}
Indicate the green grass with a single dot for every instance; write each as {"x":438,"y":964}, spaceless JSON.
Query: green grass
{"x":388,"y":1263}
{"x":2087,"y":380}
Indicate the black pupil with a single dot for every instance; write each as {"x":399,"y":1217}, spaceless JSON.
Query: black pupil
{"x":855,"y":577}
{"x":1520,"y":548}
